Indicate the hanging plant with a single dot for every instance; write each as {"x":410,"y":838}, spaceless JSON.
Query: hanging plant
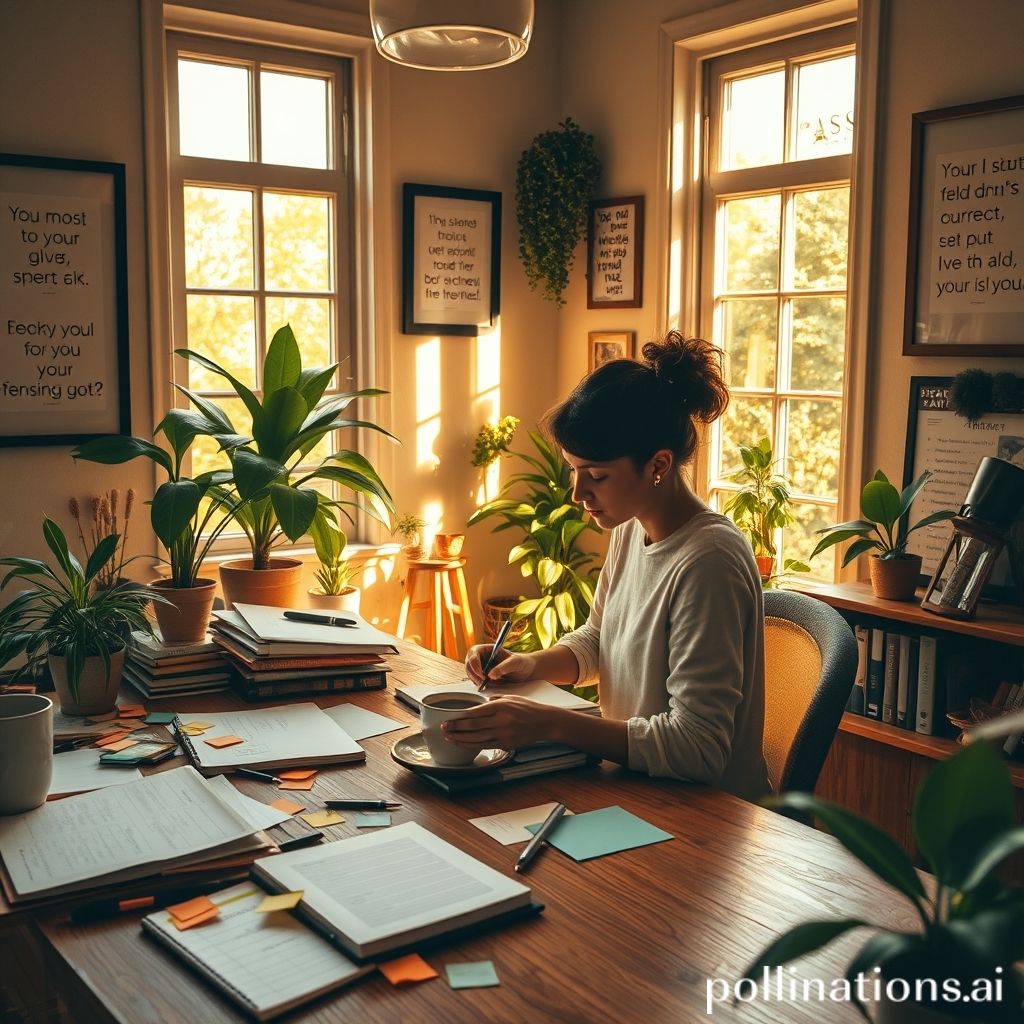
{"x":555,"y":181}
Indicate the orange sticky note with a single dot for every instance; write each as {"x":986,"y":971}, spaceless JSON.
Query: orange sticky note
{"x":131,"y":711}
{"x":209,"y":915}
{"x":111,"y":737}
{"x":407,"y":969}
{"x":224,"y":741}
{"x":102,"y":718}
{"x":297,"y":774}
{"x":305,"y":784}
{"x":191,"y":908}
{"x":119,"y":745}
{"x":288,"y":806}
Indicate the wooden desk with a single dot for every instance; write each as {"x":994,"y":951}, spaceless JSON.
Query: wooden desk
{"x":630,"y":937}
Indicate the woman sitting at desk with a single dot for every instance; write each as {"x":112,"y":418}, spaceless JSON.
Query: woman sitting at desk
{"x":675,"y":635}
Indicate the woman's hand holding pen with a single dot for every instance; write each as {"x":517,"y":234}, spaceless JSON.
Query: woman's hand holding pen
{"x":505,"y":722}
{"x":508,"y":668}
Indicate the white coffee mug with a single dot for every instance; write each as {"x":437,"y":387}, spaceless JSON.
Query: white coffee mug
{"x":440,"y":707}
{"x":26,"y":750}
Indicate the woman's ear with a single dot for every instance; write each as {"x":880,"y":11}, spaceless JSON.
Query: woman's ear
{"x":661,"y":463}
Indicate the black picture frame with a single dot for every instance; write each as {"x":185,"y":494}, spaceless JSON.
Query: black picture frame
{"x":943,"y":442}
{"x":64,"y":297}
{"x":615,"y":253}
{"x":451,"y":259}
{"x":964,"y":213}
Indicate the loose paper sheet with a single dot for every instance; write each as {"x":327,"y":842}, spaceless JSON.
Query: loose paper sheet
{"x":361,"y":724}
{"x":510,"y":826}
{"x":79,"y":771}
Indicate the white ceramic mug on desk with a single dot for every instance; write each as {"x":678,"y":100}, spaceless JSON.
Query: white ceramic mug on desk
{"x":440,"y":707}
{"x":26,"y":750}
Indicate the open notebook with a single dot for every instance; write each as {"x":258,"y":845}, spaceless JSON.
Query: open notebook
{"x":539,"y":690}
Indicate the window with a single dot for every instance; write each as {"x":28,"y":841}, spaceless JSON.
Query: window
{"x":260,"y":212}
{"x":775,"y":210}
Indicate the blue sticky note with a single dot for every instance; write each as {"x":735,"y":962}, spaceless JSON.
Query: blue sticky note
{"x":478,"y":974}
{"x":159,"y":717}
{"x":373,"y":819}
{"x":598,"y":833}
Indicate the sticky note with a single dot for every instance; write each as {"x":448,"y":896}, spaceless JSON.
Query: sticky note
{"x":303,"y":784}
{"x":373,"y":819}
{"x":111,"y":737}
{"x":189,"y":730}
{"x":208,"y":915}
{"x":93,"y":719}
{"x":407,"y":969}
{"x":476,"y":974}
{"x":321,"y":819}
{"x":283,"y":901}
{"x":109,"y":748}
{"x":198,"y":724}
{"x":131,"y":711}
{"x":191,"y":908}
{"x":159,"y":718}
{"x":297,"y":774}
{"x":597,"y":833}
{"x":288,"y":806}
{"x":224,"y":741}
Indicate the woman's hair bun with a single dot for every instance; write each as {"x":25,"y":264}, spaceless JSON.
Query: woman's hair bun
{"x":692,"y":367}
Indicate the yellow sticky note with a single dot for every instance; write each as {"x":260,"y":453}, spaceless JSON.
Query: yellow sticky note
{"x":303,"y":784}
{"x":189,"y":730}
{"x":288,"y":806}
{"x":407,"y":969}
{"x":284,"y":901}
{"x":297,"y":774}
{"x":224,"y":741}
{"x":321,"y":819}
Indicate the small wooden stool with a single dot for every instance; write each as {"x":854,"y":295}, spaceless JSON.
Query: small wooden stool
{"x":444,"y":578}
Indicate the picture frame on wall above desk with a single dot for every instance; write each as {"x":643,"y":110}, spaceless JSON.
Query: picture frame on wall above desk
{"x":451,"y":259}
{"x":603,"y":346}
{"x":64,"y":296}
{"x":615,"y":253}
{"x":965,"y":249}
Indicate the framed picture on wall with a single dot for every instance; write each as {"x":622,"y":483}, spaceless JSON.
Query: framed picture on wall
{"x":451,"y":259}
{"x":965,"y":251}
{"x":615,"y":253}
{"x":603,"y":346}
{"x":64,"y":296}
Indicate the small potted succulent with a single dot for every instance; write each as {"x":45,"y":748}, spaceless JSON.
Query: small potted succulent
{"x":884,"y":529}
{"x":409,"y":527}
{"x":333,"y":589}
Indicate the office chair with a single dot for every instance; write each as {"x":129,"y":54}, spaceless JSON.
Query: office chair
{"x":810,"y":662}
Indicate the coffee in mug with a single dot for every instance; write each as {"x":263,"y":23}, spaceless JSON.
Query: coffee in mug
{"x":443,"y":707}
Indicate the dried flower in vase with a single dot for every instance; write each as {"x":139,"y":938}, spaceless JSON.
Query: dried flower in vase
{"x":107,"y":519}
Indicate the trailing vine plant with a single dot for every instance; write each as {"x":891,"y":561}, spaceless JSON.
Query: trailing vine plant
{"x":555,"y":181}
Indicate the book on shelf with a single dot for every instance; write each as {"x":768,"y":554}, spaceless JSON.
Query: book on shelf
{"x":539,"y":690}
{"x":277,"y":737}
{"x":527,"y":763}
{"x":855,"y":703}
{"x":906,"y":699}
{"x":890,"y":677}
{"x":876,"y":674}
{"x":379,"y":894}
{"x":927,"y":685}
{"x":266,"y":963}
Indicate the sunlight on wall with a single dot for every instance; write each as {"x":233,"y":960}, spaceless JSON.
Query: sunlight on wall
{"x":487,"y":400}
{"x":428,"y":402}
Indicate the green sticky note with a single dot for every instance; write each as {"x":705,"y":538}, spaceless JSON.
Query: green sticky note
{"x":373,"y":819}
{"x":598,"y":833}
{"x":478,"y":974}
{"x":159,"y":718}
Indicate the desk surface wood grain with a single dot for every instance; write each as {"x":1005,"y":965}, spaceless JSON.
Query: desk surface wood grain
{"x":630,"y":937}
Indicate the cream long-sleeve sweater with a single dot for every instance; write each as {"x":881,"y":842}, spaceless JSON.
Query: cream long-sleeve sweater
{"x":676,"y":640}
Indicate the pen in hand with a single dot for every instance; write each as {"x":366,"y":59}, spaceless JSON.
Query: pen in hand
{"x":499,"y":642}
{"x":540,"y":836}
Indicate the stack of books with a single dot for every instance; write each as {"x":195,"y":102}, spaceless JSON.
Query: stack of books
{"x":271,"y":656}
{"x":160,"y":670}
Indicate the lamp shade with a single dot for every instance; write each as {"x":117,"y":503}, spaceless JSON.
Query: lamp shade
{"x":452,"y":35}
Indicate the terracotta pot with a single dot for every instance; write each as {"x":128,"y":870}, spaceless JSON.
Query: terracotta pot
{"x":448,"y":545}
{"x":346,"y":601}
{"x":185,"y":619}
{"x":279,"y":586}
{"x":97,"y":688}
{"x":895,"y":579}
{"x":765,"y":565}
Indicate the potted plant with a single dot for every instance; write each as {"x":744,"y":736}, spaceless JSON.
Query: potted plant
{"x":408,"y":527}
{"x":538,"y":504}
{"x":271,"y":495}
{"x":187,"y":517}
{"x":333,"y":590}
{"x":80,"y":631}
{"x":972,"y":922}
{"x":883,"y":528}
{"x":555,"y":181}
{"x":762,"y":507}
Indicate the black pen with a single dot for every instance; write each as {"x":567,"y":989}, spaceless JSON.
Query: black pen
{"x":499,"y":642}
{"x":362,"y":805}
{"x":251,"y":773}
{"x":97,"y":910}
{"x":534,"y":845}
{"x":323,"y":620}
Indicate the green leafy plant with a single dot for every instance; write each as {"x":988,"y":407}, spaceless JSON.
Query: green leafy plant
{"x":492,"y":441}
{"x":329,"y":542}
{"x":538,"y":503}
{"x":555,"y":181}
{"x":883,"y":527}
{"x":408,"y":526}
{"x":64,"y":615}
{"x":270,"y":496}
{"x":971,"y":921}
{"x":762,"y":506}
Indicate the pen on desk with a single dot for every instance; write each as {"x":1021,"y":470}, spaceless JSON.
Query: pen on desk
{"x":250,"y":773}
{"x":362,"y":805}
{"x":97,"y":910}
{"x":539,"y":837}
{"x":323,"y":620}
{"x":499,"y":642}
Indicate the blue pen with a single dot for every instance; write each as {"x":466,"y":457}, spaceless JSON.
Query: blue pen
{"x":493,"y":656}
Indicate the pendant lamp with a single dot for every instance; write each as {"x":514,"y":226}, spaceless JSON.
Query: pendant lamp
{"x":452,"y":35}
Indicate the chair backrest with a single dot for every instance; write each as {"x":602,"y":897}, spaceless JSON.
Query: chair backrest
{"x":810,"y":662}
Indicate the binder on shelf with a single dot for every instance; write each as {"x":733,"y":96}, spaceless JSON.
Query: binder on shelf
{"x":876,"y":674}
{"x":927,"y":685}
{"x":909,"y":709}
{"x":890,"y":679}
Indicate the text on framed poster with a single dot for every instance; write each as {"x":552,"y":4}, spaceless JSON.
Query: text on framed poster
{"x":615,"y":253}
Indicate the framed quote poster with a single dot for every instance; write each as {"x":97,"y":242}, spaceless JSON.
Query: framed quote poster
{"x":63,"y":301}
{"x":965,"y":252}
{"x":615,"y":253}
{"x":451,"y":259}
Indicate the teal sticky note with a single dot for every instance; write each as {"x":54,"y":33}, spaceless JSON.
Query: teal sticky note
{"x":478,"y":974}
{"x":598,"y":833}
{"x":373,"y":819}
{"x":159,"y":718}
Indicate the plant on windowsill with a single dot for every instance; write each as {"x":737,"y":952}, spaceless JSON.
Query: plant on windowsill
{"x":761,"y":508}
{"x":329,"y":542}
{"x":972,"y":923}
{"x":81,"y":631}
{"x":883,"y":528}
{"x":271,"y":493}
